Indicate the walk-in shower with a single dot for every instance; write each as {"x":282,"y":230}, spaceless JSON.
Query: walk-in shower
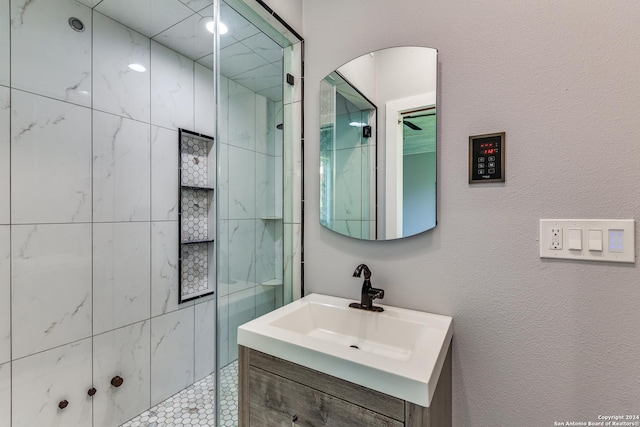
{"x":94,"y":96}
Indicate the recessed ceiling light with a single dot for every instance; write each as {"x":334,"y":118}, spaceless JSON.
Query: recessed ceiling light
{"x":138,"y":67}
{"x":209,"y":24}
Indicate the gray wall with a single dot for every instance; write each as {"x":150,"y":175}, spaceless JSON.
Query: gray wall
{"x":535,"y":341}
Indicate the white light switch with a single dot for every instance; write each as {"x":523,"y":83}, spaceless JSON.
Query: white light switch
{"x":575,"y":239}
{"x":616,"y":241}
{"x":595,"y":240}
{"x":609,"y":240}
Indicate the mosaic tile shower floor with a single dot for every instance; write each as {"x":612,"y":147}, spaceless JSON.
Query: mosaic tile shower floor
{"x":195,"y":405}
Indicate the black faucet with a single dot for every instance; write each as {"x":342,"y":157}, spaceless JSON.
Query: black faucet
{"x":368,"y":293}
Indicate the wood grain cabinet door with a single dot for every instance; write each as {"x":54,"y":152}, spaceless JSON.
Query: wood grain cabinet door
{"x":277,"y":401}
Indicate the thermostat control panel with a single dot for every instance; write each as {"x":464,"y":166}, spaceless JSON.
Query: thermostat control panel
{"x":486,"y":158}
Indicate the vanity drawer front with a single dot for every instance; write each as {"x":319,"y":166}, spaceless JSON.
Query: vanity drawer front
{"x":370,"y":399}
{"x":277,"y":401}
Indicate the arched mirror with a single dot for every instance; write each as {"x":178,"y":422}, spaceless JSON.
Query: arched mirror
{"x":378,"y":145}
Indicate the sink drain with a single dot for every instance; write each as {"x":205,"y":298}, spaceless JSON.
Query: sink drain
{"x":354,"y":346}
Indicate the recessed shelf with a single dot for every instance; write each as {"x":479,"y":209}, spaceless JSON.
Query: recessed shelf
{"x":272,"y":282}
{"x":195,"y":242}
{"x":271,"y":218}
{"x":192,"y":187}
{"x":196,"y":211}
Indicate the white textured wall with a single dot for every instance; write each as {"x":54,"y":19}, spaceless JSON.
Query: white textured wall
{"x":535,"y":341}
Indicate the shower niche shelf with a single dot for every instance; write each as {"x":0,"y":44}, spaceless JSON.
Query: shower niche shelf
{"x":196,"y":211}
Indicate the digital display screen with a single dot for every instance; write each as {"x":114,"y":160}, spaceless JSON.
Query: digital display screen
{"x":488,"y":148}
{"x":486,"y":158}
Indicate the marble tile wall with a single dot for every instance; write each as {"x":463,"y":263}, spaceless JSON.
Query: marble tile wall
{"x":249,"y":218}
{"x":88,"y":218}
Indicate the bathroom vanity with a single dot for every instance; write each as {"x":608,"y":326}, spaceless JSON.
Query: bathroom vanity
{"x":274,"y":392}
{"x":317,"y":362}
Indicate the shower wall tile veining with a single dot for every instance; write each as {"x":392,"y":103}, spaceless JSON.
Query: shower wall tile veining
{"x":89,"y":215}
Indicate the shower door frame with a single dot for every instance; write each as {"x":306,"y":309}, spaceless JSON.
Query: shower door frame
{"x":293,"y":158}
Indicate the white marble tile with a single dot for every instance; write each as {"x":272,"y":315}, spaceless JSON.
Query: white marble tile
{"x":223,"y":249}
{"x":239,"y":27}
{"x":271,"y":126}
{"x":205,"y":101}
{"x":5,"y":143}
{"x":264,"y":46}
{"x":43,"y":380}
{"x":262,"y":125}
{"x":121,"y":277}
{"x":50,"y":160}
{"x":296,"y":261}
{"x":296,"y":161}
{"x":242,"y":309}
{"x":164,"y":174}
{"x":117,"y":88}
{"x":292,"y":234}
{"x":50,"y":270}
{"x":266,"y":299}
{"x":171,"y":88}
{"x":148,"y":17}
{"x":265,"y":185}
{"x":261,"y":77}
{"x":90,"y":3}
{"x":223,"y":111}
{"x":121,"y":169}
{"x":199,"y":5}
{"x":278,"y":242}
{"x":348,"y":185}
{"x":242,"y":252}
{"x":293,"y":66}
{"x":205,"y":336}
{"x":278,"y":137}
{"x":207,"y":62}
{"x":5,"y":294}
{"x":265,"y":250}
{"x":237,"y":58}
{"x":164,"y":268}
{"x":292,"y":164}
{"x":172,"y":353}
{"x":222,"y":198}
{"x":5,"y":46}
{"x":242,"y":187}
{"x":190,"y":37}
{"x":58,"y":63}
{"x":242,"y":117}
{"x":5,"y":394}
{"x":222,"y":334}
{"x":124,"y":352}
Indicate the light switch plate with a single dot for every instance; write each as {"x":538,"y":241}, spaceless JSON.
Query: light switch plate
{"x":617,"y":245}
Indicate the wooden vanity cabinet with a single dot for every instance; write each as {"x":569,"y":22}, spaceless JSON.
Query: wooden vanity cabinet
{"x":274,"y":392}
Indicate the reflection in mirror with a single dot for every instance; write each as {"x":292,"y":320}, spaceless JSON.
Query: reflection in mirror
{"x":378,"y":145}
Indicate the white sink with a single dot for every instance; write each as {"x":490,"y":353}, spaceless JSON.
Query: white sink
{"x":399,"y":352}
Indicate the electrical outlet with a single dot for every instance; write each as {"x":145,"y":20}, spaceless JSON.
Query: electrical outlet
{"x":556,"y":239}
{"x":610,"y":240}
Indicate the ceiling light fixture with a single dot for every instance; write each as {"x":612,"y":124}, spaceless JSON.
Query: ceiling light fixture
{"x":138,"y":67}
{"x":208,"y":23}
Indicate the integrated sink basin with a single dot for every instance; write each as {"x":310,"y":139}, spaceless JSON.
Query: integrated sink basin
{"x":399,"y":352}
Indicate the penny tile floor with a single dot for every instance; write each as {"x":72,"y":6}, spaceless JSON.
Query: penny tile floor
{"x":195,"y":405}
